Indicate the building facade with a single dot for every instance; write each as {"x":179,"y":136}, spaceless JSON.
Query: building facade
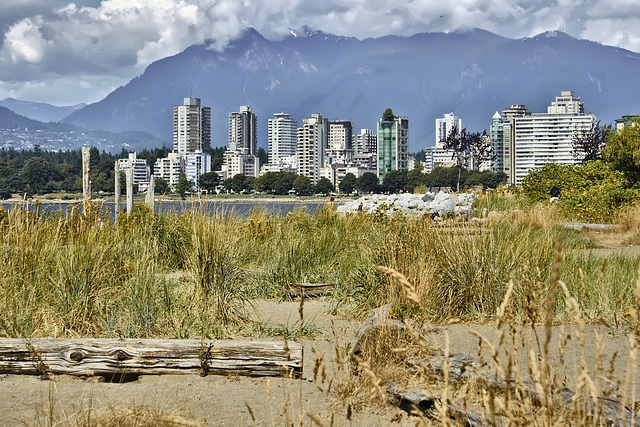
{"x":312,"y":142}
{"x":169,"y":168}
{"x":196,"y":164}
{"x":191,"y":127}
{"x":393,"y":145}
{"x":522,"y":141}
{"x":243,"y":131}
{"x":140,"y":169}
{"x":283,"y":137}
{"x":340,"y":142}
{"x":444,"y":126}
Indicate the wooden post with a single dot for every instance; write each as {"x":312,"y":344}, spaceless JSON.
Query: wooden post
{"x":117,"y":189}
{"x":86,"y":178}
{"x":129,"y":174}
{"x":113,"y":358}
{"x":150,"y":197}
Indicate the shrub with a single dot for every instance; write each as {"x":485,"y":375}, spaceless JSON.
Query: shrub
{"x":593,"y":192}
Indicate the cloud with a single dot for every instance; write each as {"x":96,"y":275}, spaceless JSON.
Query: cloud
{"x":114,"y":40}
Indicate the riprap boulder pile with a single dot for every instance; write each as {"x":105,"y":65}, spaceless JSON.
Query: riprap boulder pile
{"x":435,"y":204}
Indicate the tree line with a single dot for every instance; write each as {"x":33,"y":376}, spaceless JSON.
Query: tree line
{"x":282,"y":183}
{"x":36,"y":171}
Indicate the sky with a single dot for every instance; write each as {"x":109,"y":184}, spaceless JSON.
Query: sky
{"x":65,"y":53}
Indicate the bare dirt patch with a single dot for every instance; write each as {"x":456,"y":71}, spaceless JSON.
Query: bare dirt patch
{"x":233,"y":401}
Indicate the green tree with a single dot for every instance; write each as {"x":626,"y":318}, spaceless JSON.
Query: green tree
{"x":184,"y":185}
{"x":445,"y":177}
{"x":227,"y":184}
{"x":623,"y":150}
{"x":324,"y":186}
{"x":348,"y":184}
{"x":302,"y":185}
{"x":209,"y":181}
{"x":368,"y":183}
{"x":388,"y":115}
{"x":415,"y":178}
{"x":161,"y":186}
{"x":35,"y":175}
{"x":262,"y":155}
{"x":284,"y":182}
{"x":237,"y":183}
{"x":395,"y":181}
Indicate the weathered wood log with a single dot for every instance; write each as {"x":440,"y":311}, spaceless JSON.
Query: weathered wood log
{"x":117,"y":188}
{"x":583,"y":226}
{"x":129,"y":178}
{"x":134,"y":357}
{"x":309,"y":289}
{"x":418,"y":402}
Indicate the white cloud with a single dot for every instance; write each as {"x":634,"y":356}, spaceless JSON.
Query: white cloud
{"x":24,"y":41}
{"x":54,"y":40}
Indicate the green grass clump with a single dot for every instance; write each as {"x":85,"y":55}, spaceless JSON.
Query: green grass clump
{"x":193,"y":275}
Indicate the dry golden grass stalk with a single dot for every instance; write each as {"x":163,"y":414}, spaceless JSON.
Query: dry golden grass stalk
{"x":409,"y":289}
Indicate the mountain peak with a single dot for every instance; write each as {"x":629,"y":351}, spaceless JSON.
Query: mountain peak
{"x":554,"y":34}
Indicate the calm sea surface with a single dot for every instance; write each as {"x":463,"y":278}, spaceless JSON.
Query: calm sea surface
{"x":242,"y":208}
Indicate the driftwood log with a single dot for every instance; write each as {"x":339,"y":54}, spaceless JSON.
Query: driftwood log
{"x":309,"y":289}
{"x":121,"y":358}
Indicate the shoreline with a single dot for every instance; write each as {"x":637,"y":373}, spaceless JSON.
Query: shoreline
{"x":192,"y":200}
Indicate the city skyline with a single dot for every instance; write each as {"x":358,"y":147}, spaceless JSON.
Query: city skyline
{"x":65,"y":53}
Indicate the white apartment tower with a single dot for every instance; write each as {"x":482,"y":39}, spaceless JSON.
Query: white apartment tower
{"x":524,"y":141}
{"x":312,"y":142}
{"x":444,"y":126}
{"x":283,"y":137}
{"x":191,"y":127}
{"x":366,"y":141}
{"x":243,"y":127}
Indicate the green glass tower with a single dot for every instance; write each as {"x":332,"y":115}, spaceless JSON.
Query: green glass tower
{"x":393,"y":143}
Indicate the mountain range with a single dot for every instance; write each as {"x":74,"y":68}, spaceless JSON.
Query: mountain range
{"x":39,"y":110}
{"x":20,"y":132}
{"x":473,"y":74}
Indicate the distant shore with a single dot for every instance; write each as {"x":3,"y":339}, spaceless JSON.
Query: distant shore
{"x":229,"y":199}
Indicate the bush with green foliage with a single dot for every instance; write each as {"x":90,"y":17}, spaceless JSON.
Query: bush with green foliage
{"x":593,"y":192}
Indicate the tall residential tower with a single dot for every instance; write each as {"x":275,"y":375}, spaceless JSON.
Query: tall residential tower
{"x":313,"y":137}
{"x":243,"y":130}
{"x":283,"y":137}
{"x":191,"y":127}
{"x":393,"y":143}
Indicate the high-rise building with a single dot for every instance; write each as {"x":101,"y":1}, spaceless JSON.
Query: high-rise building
{"x":283,"y":137}
{"x":191,"y":127}
{"x":438,"y":156}
{"x":444,"y":126}
{"x":393,"y":144}
{"x":243,"y":130}
{"x":366,"y":141}
{"x":340,"y":142}
{"x":502,"y":137}
{"x":241,"y":158}
{"x":522,"y":140}
{"x":312,"y":142}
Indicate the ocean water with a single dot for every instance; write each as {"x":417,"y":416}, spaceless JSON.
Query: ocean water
{"x":241,"y":208}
